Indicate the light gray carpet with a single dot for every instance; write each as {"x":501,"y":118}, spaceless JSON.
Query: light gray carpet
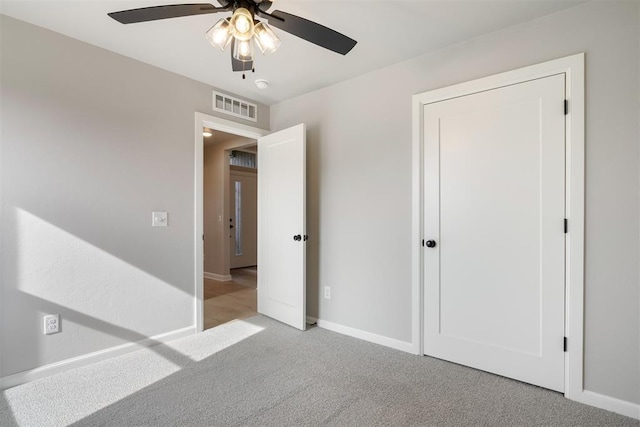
{"x":260,"y":372}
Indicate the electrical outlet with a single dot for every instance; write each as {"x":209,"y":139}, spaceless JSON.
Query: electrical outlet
{"x":159,"y":219}
{"x":327,"y":292}
{"x":51,"y":324}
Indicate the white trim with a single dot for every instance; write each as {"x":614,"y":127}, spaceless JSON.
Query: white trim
{"x":218,"y":277}
{"x":86,"y":359}
{"x":201,"y":121}
{"x":612,"y":404}
{"x":573,"y":68}
{"x":417,"y":314}
{"x":367,"y":336}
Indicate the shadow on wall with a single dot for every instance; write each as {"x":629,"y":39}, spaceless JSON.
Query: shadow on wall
{"x":95,"y":324}
{"x":49,"y":270}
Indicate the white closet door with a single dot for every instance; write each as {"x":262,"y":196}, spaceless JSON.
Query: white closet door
{"x":494,"y":207}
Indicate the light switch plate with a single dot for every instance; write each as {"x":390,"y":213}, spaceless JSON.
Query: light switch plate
{"x":159,"y":219}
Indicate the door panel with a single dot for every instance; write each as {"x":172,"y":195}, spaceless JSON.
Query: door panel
{"x":494,"y":203}
{"x":243,"y":195}
{"x":281,"y":216}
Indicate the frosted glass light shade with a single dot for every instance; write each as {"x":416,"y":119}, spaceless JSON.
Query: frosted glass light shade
{"x":220,"y":34}
{"x":242,"y":24}
{"x":243,"y":50}
{"x":266,"y":39}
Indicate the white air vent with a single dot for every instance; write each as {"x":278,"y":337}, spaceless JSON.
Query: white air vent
{"x":235,"y":107}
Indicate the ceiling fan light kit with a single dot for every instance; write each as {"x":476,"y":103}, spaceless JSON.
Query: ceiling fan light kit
{"x":220,"y":34}
{"x":243,"y":50}
{"x":242,"y":24}
{"x":243,"y":27}
{"x":266,"y":39}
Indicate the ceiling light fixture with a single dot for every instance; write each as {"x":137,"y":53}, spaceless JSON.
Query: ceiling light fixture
{"x":243,"y":50}
{"x":242,"y":28}
{"x":207,"y":133}
{"x":242,"y":24}
{"x":220,"y":34}
{"x":266,"y":39}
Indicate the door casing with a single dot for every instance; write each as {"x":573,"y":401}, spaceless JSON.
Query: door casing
{"x":573,"y":69}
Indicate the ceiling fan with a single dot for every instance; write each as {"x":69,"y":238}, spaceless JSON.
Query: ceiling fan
{"x":242,"y":27}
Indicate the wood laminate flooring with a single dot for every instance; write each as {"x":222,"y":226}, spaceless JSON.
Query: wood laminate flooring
{"x":226,"y":301}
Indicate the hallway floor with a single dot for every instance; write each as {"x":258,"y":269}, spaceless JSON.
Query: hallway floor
{"x":226,"y":301}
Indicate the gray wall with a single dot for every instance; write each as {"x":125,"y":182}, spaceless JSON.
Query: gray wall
{"x":359,"y":163}
{"x":92,"y":143}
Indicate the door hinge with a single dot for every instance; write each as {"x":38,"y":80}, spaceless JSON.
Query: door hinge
{"x":566,"y":226}
{"x":566,"y":107}
{"x":565,"y":344}
{"x":203,"y":237}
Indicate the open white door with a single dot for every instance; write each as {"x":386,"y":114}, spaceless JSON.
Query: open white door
{"x":282,"y":226}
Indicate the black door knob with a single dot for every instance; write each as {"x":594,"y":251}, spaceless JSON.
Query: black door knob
{"x":431,"y":243}
{"x":297,"y":237}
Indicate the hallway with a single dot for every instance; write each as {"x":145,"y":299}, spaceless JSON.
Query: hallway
{"x":226,"y":301}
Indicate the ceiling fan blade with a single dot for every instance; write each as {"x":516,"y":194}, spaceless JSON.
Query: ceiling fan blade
{"x":264,"y":5}
{"x":164,"y":12}
{"x":312,"y":32}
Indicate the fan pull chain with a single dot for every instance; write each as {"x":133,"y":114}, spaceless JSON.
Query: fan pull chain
{"x":253,"y":70}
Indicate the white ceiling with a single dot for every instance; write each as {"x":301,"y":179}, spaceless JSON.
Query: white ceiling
{"x":387,"y":32}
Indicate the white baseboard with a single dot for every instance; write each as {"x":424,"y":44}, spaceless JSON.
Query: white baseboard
{"x":608,"y":403}
{"x":218,"y":277}
{"x":86,"y":359}
{"x":364,"y":335}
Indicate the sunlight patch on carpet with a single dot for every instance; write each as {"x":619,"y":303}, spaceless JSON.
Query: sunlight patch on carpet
{"x":73,"y":395}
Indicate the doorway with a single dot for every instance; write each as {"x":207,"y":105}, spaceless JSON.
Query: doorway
{"x":282,"y":220}
{"x":230,"y":227}
{"x":217,"y":245}
{"x":498,"y":217}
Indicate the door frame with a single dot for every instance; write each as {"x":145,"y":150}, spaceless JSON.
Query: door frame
{"x":573,"y":68}
{"x":203,"y":120}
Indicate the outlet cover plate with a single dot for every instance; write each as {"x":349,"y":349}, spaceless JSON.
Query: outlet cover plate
{"x":51,"y":324}
{"x":159,"y":219}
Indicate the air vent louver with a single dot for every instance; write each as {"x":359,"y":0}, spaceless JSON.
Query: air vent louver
{"x":235,"y":107}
